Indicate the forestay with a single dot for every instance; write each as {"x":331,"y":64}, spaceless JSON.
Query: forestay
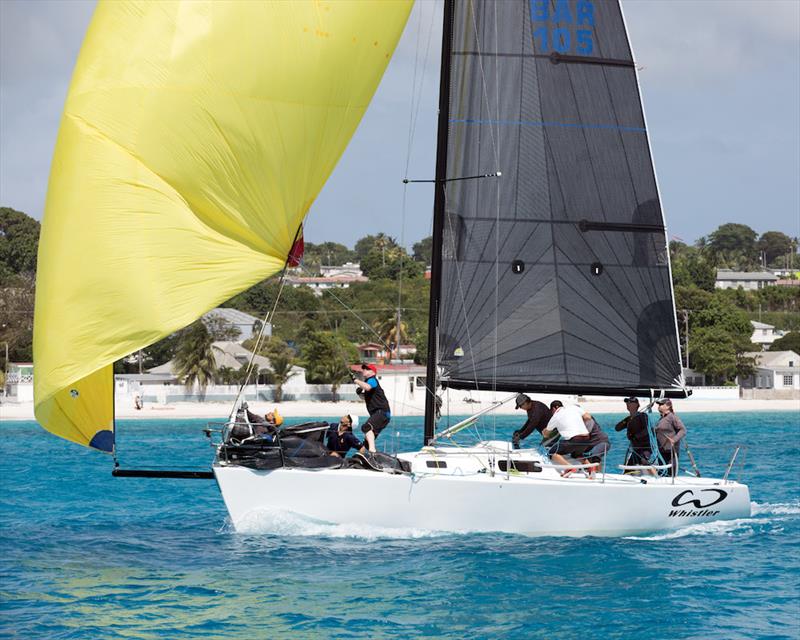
{"x":555,"y":276}
{"x":195,"y":136}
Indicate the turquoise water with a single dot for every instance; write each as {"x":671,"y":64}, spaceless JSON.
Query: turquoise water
{"x":85,"y":555}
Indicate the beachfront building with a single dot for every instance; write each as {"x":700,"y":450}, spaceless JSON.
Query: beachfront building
{"x":346,"y":270}
{"x":247,"y":325}
{"x":776,"y":376}
{"x":764,"y":334}
{"x":19,"y":382}
{"x":233,"y":356}
{"x":318,"y":284}
{"x":747,"y":280}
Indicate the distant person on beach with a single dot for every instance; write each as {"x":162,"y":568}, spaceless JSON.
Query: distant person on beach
{"x":340,"y":438}
{"x":635,"y":426}
{"x":377,"y":404}
{"x":538,"y":417}
{"x":670,"y":430}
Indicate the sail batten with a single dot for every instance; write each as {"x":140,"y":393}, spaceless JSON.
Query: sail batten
{"x":196,"y":135}
{"x":555,"y":276}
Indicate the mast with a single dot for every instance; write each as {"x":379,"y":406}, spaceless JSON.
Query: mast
{"x":438,"y":220}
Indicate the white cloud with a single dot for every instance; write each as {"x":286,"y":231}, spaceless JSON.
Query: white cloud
{"x":690,"y":42}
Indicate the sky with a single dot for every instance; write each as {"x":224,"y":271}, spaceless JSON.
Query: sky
{"x":720,"y":82}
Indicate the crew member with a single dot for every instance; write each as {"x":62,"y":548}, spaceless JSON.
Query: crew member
{"x":670,"y":430}
{"x":568,"y":422}
{"x":538,"y":417}
{"x":340,"y":438}
{"x":377,"y":404}
{"x":635,"y":426}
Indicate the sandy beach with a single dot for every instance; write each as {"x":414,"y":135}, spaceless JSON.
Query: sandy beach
{"x":220,"y":411}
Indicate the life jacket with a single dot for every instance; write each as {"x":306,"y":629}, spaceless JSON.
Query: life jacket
{"x":376,"y":399}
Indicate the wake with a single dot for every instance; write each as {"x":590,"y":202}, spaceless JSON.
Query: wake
{"x":764,"y":517}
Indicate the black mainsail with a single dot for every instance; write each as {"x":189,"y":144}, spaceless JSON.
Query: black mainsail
{"x":554,"y":276}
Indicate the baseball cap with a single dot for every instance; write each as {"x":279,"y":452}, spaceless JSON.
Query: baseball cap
{"x":370,"y":367}
{"x":631,"y":399}
{"x":522,"y":399}
{"x":556,"y":403}
{"x":664,"y":401}
{"x":278,"y":417}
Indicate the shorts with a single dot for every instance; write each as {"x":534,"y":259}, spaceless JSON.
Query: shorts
{"x":597,"y":452}
{"x":570,"y":447}
{"x":639,"y":456}
{"x":376,"y":423}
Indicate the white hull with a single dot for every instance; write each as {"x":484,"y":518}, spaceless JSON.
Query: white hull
{"x":461,"y":499}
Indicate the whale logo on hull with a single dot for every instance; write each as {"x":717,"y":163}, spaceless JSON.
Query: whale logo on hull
{"x":687,"y":497}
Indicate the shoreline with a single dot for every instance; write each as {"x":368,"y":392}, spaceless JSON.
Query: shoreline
{"x":311,"y":409}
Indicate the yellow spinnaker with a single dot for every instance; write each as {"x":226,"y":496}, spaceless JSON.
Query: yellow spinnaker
{"x":195,"y":136}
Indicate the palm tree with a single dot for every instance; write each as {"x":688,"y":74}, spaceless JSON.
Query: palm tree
{"x":194,"y":358}
{"x":281,"y":369}
{"x":387,"y":329}
{"x":335,"y":372}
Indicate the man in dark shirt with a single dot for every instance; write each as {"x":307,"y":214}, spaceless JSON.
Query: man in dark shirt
{"x":377,"y":404}
{"x":538,"y":417}
{"x":635,"y":425}
{"x":340,"y":438}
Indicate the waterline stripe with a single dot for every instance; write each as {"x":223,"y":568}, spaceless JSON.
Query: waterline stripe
{"x":531,"y":123}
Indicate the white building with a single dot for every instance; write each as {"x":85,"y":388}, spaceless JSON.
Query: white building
{"x":319,"y":283}
{"x":248,"y":325}
{"x":777,"y":372}
{"x":19,"y":382}
{"x":764,"y":334}
{"x":748,"y":280}
{"x":347,"y":270}
{"x":231,"y":355}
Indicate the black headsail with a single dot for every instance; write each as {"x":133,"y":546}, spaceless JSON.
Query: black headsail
{"x":554,"y":276}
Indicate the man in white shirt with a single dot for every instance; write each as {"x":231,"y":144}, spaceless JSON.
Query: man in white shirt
{"x":569,"y":423}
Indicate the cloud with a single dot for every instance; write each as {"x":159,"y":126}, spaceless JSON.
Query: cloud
{"x":692,"y":42}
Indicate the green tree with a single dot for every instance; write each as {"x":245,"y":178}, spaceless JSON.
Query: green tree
{"x":326,"y":356}
{"x":719,"y":336}
{"x":194,"y":357}
{"x":387,"y":329}
{"x":691,"y":268}
{"x":789,"y":342}
{"x":326,"y":253}
{"x":423,"y":250}
{"x":19,"y":243}
{"x":390,"y":264}
{"x":774,"y":244}
{"x":281,"y":363}
{"x":17,"y":297}
{"x":713,"y":351}
{"x":380,"y":242}
{"x":734,"y":245}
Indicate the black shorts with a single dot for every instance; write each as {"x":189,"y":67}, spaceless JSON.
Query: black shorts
{"x":376,"y":423}
{"x":575,"y":448}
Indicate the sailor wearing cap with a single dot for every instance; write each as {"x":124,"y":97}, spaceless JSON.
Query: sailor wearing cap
{"x":635,"y":425}
{"x":377,"y":404}
{"x":670,"y":430}
{"x":538,"y":417}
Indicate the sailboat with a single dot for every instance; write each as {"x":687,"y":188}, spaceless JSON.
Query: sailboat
{"x":183,"y":179}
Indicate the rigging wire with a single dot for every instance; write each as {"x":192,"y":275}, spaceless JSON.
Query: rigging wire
{"x":267,"y":321}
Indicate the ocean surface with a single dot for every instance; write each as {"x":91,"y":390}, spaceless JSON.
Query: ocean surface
{"x":85,"y":555}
